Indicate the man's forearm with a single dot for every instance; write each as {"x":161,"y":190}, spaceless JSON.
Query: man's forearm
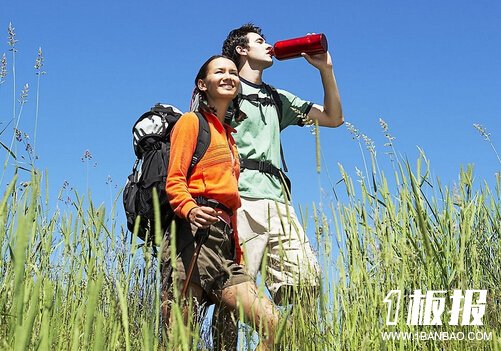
{"x":332,"y":101}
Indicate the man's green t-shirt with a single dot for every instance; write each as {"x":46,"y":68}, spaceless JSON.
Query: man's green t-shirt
{"x":258,"y":137}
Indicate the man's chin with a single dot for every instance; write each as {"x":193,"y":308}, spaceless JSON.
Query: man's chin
{"x":262,"y":65}
{"x":268,"y":64}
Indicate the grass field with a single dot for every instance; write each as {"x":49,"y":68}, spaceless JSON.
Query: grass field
{"x":71,"y":280}
{"x":68,"y":281}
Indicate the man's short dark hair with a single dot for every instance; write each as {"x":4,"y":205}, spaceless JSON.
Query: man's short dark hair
{"x":238,"y":37}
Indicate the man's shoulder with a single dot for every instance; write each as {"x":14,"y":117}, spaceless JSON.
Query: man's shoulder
{"x":282,"y":92}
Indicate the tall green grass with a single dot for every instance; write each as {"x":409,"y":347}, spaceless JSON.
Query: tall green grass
{"x":407,"y":240}
{"x":68,"y":281}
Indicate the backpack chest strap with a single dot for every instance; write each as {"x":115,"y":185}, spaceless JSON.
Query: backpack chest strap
{"x":256,"y":98}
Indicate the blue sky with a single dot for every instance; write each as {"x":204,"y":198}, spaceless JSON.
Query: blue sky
{"x":430,"y":69}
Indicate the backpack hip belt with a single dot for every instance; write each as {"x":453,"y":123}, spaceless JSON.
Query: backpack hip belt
{"x":267,"y":167}
{"x":203,"y":201}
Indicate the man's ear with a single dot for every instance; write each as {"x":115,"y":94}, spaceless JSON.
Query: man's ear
{"x":201,"y":85}
{"x":241,"y":50}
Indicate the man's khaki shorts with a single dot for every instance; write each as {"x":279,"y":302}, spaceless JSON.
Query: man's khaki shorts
{"x":266,"y":226}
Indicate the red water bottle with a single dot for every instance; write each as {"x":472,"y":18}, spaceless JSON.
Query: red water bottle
{"x":311,"y":44}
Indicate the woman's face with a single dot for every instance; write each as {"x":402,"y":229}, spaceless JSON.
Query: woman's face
{"x":222,"y":80}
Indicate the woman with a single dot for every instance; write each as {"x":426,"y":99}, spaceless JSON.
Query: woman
{"x":217,"y":277}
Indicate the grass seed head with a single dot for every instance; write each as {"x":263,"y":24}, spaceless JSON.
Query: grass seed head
{"x":86,"y":156}
{"x":23,"y":98}
{"x":19,"y":135}
{"x":12,"y":37}
{"x":369,"y":144}
{"x":3,"y":68}
{"x":383,"y":125}
{"x":39,"y":62}
{"x":354,"y":131}
{"x":482,"y":131}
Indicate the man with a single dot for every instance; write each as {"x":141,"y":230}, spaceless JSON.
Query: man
{"x":267,"y":223}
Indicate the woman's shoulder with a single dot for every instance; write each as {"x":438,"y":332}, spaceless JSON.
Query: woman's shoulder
{"x":189,"y":116}
{"x":194,"y":118}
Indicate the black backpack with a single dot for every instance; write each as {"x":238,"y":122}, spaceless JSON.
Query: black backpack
{"x":151,"y":141}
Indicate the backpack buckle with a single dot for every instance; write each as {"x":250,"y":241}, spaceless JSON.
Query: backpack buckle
{"x":265,"y":166}
{"x":136,"y":164}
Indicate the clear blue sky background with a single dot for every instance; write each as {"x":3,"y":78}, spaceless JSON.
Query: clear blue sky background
{"x":430,"y":69}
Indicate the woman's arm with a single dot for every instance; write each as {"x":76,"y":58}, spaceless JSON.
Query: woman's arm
{"x":183,"y":142}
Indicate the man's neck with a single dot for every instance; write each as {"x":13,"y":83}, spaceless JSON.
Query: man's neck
{"x":252,"y":75}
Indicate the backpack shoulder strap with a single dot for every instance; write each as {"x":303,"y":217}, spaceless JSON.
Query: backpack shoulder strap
{"x":276,"y":99}
{"x":278,"y":104}
{"x":203,"y":141}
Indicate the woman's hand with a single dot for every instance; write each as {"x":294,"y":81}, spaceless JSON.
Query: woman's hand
{"x":202,"y":217}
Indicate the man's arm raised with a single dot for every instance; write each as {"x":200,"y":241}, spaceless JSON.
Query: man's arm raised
{"x":331,"y":113}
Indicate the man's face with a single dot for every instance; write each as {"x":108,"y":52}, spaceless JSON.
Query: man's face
{"x":258,"y":50}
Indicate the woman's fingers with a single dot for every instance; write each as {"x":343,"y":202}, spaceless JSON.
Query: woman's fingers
{"x":203,"y":216}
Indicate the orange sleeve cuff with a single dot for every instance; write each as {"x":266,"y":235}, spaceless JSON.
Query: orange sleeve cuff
{"x":187,"y":207}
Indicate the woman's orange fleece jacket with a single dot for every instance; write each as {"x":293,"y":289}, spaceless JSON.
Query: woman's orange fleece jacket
{"x":215,"y":176}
